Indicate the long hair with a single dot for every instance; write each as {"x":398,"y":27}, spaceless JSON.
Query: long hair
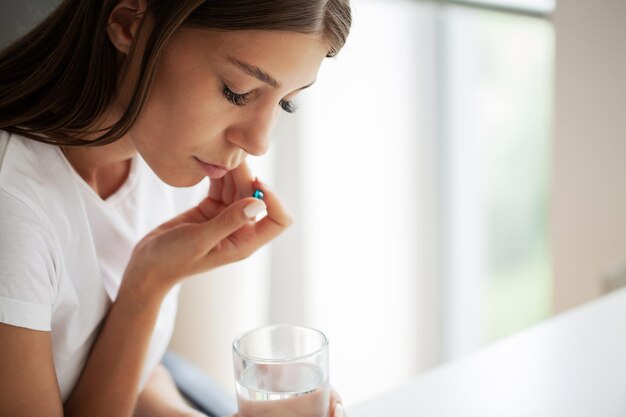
{"x":59,"y":78}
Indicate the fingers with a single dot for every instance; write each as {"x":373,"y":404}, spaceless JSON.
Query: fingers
{"x":235,"y":185}
{"x":277,"y":219}
{"x":228,"y":221}
{"x":247,"y":240}
{"x":334,"y":396}
{"x":215,"y":190}
{"x":244,"y":180}
{"x":226,"y":232}
{"x":228,"y":189}
{"x":336,"y":405}
{"x":250,"y":236}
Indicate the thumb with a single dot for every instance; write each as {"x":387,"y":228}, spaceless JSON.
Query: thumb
{"x":231,"y":219}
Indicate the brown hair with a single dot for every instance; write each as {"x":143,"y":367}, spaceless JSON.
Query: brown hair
{"x":60,"y":77}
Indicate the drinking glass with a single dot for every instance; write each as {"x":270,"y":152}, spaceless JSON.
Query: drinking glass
{"x":282,"y":371}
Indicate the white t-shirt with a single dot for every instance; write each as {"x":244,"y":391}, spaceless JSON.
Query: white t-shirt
{"x":63,"y":249}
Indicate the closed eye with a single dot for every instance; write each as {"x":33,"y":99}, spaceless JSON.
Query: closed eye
{"x":288,"y":106}
{"x":236,"y":99}
{"x":243,"y":99}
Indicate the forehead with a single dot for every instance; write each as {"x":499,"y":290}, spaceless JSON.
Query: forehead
{"x":291,"y":58}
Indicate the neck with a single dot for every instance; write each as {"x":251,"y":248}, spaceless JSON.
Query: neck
{"x":105,"y":168}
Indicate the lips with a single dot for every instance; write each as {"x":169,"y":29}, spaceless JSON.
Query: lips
{"x":211,"y":170}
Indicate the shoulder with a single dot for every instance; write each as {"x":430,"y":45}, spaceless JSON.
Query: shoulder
{"x":30,"y":252}
{"x":21,"y":212}
{"x":29,"y":260}
{"x":36,"y":177}
{"x":29,"y":169}
{"x":25,"y":237}
{"x":34,"y":217}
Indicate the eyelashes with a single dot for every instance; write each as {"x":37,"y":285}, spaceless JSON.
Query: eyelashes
{"x":288,"y":106}
{"x":243,"y":99}
{"x":236,"y":99}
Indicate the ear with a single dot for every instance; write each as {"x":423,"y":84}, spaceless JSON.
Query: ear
{"x":124,"y":22}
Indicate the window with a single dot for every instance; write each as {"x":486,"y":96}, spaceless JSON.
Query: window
{"x":496,"y":129}
{"x":419,"y":176}
{"x":523,"y":6}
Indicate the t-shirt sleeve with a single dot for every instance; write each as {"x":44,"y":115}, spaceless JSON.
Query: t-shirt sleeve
{"x":27,"y":269}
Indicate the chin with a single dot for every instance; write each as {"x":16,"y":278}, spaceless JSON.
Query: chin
{"x":180,"y":181}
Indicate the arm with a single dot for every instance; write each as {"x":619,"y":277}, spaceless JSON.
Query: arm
{"x":109,"y":381}
{"x":212,"y":234}
{"x":108,"y":384}
{"x":27,"y":379}
{"x":28,"y":353}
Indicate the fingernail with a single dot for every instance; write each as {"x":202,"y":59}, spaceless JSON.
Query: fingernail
{"x":254,"y":209}
{"x":339,"y":410}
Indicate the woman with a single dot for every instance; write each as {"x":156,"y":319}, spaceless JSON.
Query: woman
{"x":105,"y":107}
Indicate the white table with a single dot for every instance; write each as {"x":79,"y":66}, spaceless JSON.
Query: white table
{"x":572,"y":365}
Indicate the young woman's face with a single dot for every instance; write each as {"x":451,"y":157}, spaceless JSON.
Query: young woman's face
{"x":215,"y":96}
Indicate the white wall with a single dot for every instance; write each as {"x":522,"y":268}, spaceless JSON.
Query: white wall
{"x":588,"y":215}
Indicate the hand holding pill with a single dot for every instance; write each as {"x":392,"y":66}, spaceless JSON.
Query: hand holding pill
{"x":225,"y":227}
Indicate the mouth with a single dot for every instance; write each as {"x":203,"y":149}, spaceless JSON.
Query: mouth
{"x":212,"y":170}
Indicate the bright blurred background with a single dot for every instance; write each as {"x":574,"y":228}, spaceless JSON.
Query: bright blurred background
{"x":456,"y":175}
{"x":418,"y":171}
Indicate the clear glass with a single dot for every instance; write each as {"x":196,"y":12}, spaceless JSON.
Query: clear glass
{"x":282,"y":371}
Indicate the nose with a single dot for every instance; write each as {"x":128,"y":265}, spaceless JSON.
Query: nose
{"x":252,"y":134}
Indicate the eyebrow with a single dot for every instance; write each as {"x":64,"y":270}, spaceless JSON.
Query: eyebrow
{"x":259,"y":74}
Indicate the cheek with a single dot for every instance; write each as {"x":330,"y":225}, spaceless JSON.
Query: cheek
{"x":184,"y":92}
{"x":182,"y":105}
{"x":178,"y":98}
